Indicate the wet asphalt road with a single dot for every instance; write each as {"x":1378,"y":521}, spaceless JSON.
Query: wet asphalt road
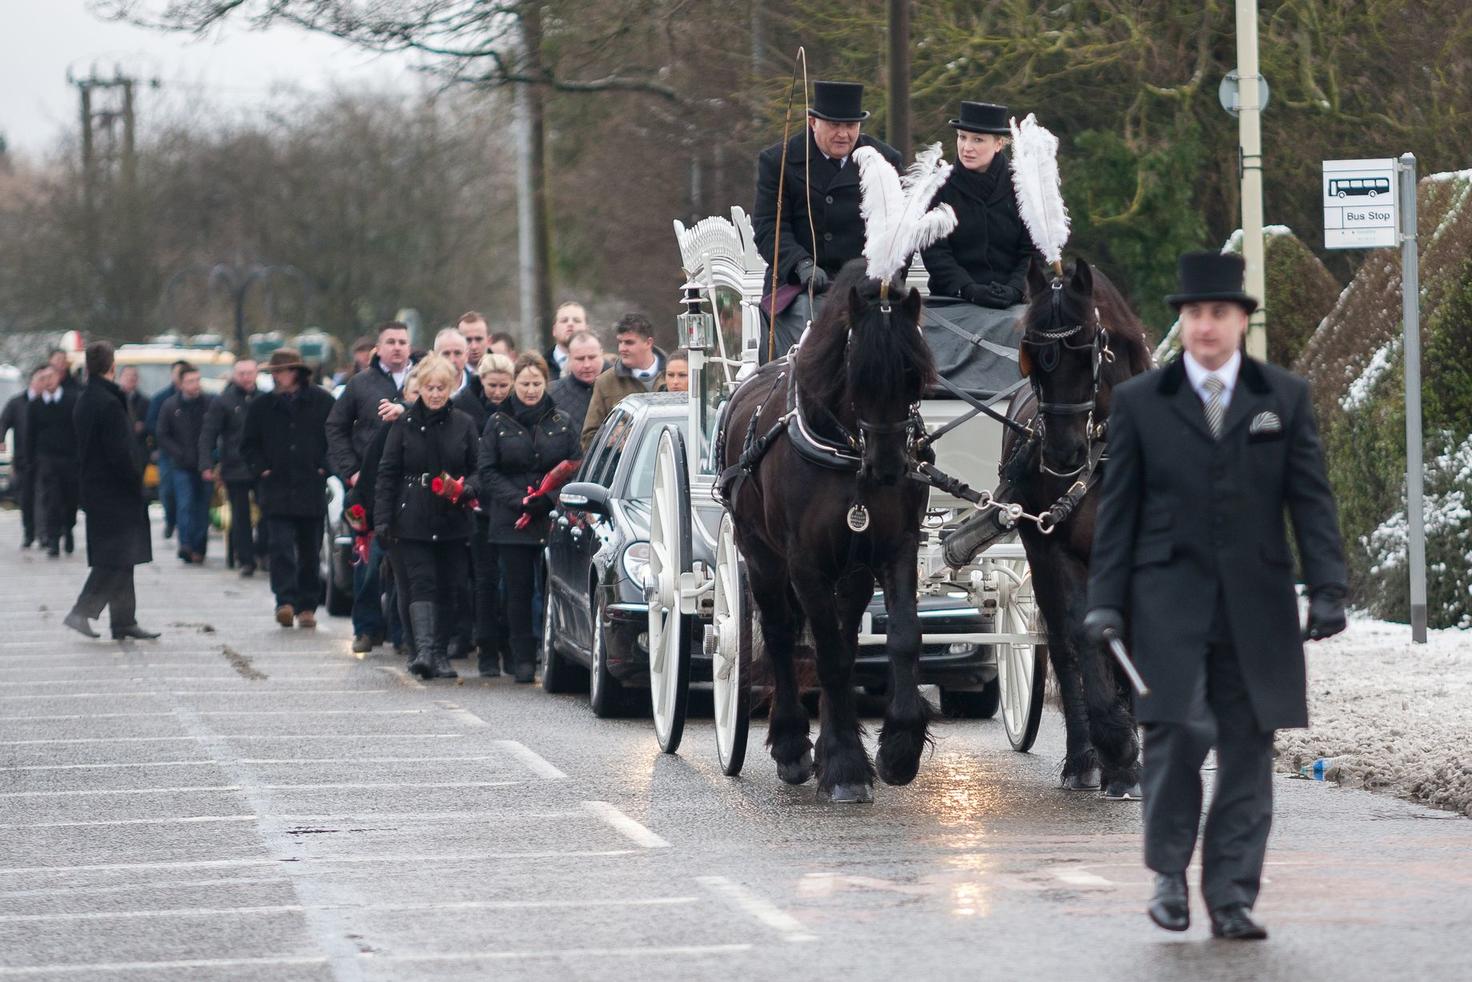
{"x":239,"y":801}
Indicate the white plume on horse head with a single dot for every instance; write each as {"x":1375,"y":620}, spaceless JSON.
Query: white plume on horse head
{"x":898,"y":219}
{"x":1039,"y":188}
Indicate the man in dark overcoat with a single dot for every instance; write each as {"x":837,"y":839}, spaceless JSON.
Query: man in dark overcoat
{"x":112,"y":496}
{"x":820,"y":227}
{"x":51,"y":443}
{"x":220,"y":459}
{"x":1191,"y":564}
{"x":285,"y":446}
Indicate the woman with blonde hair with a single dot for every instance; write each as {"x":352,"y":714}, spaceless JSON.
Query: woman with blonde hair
{"x":424,"y":494}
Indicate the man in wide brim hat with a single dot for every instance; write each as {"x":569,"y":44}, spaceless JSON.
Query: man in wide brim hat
{"x":820,"y":226}
{"x":284,"y":359}
{"x":1191,"y":566}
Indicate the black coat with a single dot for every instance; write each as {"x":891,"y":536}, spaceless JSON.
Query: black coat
{"x":472,"y":401}
{"x":13,"y":422}
{"x":219,"y":440}
{"x":519,"y":446}
{"x":138,"y":413}
{"x":572,"y":396}
{"x":180,"y":424}
{"x":422,"y":444}
{"x":112,"y":478}
{"x":354,"y":419}
{"x":1186,"y":522}
{"x":990,"y":243}
{"x":287,"y":436}
{"x":835,"y":200}
{"x":50,"y":431}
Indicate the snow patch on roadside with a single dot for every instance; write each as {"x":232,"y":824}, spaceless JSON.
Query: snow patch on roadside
{"x":1395,"y":716}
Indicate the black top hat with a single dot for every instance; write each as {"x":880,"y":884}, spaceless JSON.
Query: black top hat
{"x":838,"y":102}
{"x":1211,"y":276}
{"x":983,"y":117}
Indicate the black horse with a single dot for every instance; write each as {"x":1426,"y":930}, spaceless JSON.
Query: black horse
{"x":1079,"y":340}
{"x":821,"y":496}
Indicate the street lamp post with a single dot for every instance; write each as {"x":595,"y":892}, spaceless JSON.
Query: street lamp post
{"x":1249,"y":128}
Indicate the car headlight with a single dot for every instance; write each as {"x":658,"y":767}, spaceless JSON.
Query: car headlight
{"x":636,"y":562}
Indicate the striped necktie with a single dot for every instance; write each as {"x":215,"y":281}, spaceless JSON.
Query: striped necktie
{"x":1216,"y":410}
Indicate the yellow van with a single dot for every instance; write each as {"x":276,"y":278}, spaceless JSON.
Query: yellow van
{"x":153,"y":362}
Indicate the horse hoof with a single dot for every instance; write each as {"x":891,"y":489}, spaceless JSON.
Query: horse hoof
{"x":797,"y":772}
{"x":852,"y":794}
{"x":1120,"y":791}
{"x":1087,"y":781}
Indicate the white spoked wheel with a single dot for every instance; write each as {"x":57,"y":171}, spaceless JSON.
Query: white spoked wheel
{"x":669,"y":557}
{"x":1022,"y":667}
{"x":731,"y":665}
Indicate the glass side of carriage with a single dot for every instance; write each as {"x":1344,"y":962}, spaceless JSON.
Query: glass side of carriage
{"x":699,"y":605}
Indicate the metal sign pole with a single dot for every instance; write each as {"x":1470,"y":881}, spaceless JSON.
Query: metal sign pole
{"x":1250,"y":147}
{"x":1411,"y":314}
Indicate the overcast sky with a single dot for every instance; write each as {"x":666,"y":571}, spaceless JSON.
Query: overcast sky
{"x":237,"y":71}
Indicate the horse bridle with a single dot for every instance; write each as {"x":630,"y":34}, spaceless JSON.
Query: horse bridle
{"x":1048,"y":345}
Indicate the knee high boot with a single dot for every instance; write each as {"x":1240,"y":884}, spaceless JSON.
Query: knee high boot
{"x":422,"y":618}
{"x":444,"y":627}
{"x":524,"y":650}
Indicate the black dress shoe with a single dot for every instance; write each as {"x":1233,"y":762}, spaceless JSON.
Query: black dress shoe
{"x":1170,"y":908}
{"x":247,"y":571}
{"x":77,"y":622}
{"x":133,"y":631}
{"x":168,"y":530}
{"x":69,"y":544}
{"x":1235,"y":923}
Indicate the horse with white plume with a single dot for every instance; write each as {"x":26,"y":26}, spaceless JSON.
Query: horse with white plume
{"x":820,"y":495}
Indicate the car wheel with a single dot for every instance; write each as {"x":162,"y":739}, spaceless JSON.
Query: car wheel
{"x":606,"y":694}
{"x":981,"y":704}
{"x":558,"y":675}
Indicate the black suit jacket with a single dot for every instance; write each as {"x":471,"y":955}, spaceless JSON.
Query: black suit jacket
{"x":835,"y":211}
{"x":1188,"y":525}
{"x":990,"y":243}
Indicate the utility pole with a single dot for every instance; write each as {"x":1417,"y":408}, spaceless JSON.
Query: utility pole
{"x":899,"y":77}
{"x":1250,"y":162}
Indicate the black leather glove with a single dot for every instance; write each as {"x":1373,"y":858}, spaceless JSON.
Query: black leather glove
{"x":1100,"y":620}
{"x":538,"y":507}
{"x":810,"y":272}
{"x":1325,"y":613}
{"x":1007,"y":296}
{"x":983,"y":295}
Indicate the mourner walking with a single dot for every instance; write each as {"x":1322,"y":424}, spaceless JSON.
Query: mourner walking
{"x":640,"y":368}
{"x":112,"y":496}
{"x":574,"y":390}
{"x":570,"y":319}
{"x":165,"y":466}
{"x":137,"y":404}
{"x":285,"y":446}
{"x":180,"y":426}
{"x":819,"y":227}
{"x":369,"y":398}
{"x":220,"y":459}
{"x":1191,"y":564}
{"x":22,"y":465}
{"x":521,"y":444}
{"x":51,"y":438}
{"x":425,"y":493}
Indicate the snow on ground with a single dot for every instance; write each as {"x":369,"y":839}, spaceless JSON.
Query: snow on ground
{"x":1390,"y":715}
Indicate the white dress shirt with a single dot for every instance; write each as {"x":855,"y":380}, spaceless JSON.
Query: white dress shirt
{"x":1227,"y":375}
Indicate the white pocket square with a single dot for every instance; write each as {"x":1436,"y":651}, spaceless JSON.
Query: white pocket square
{"x":1267,"y":422}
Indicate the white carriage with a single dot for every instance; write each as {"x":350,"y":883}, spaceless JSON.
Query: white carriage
{"x":691,"y":603}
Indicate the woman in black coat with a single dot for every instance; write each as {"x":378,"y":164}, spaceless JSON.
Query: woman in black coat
{"x":984,"y":261}
{"x":521,"y":443}
{"x":424,"y":492}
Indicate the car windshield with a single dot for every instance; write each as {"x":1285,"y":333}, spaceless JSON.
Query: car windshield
{"x":8,"y":388}
{"x":641,"y":478}
{"x":154,"y":377}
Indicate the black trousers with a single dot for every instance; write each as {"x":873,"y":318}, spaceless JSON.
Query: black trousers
{"x":433,"y":570}
{"x":519,"y":564}
{"x":242,"y":535}
{"x":25,"y":493}
{"x":398,"y":589}
{"x":296,"y":559}
{"x":57,"y":497}
{"x":110,"y":587}
{"x":1241,"y":813}
{"x":491,"y":634}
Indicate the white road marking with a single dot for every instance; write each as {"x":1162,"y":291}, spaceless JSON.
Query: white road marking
{"x":402,"y":675}
{"x":122,"y":765}
{"x":305,"y":861}
{"x":533,"y":760}
{"x":241,"y":736}
{"x":624,"y":825}
{"x":146,"y":887}
{"x":758,"y":907}
{"x":186,"y":678}
{"x":388,"y":784}
{"x":300,"y":908}
{"x":1081,"y":878}
{"x":87,"y":716}
{"x":190,"y":820}
{"x":463,"y":715}
{"x":563,"y":954}
{"x":105,"y":791}
{"x":358,"y":760}
{"x":199,"y":692}
{"x":91,"y":968}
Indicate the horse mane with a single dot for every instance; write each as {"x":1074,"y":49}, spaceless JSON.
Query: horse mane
{"x":889,"y":361}
{"x":1121,"y":323}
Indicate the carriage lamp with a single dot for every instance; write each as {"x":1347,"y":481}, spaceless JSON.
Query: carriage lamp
{"x":697,"y":327}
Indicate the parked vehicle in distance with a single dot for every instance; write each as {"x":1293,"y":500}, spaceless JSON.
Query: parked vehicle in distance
{"x":11,"y":383}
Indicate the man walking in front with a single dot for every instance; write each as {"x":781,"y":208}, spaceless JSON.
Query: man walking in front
{"x":220,"y":458}
{"x":180,"y":425}
{"x":112,"y":496}
{"x":285,"y":446}
{"x":368,"y":400}
{"x":1191,"y":564}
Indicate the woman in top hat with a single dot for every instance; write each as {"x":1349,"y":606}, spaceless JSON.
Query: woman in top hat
{"x":984,"y":261}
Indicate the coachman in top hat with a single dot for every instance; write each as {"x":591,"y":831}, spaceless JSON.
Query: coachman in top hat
{"x":1191,"y":563}
{"x":820,"y":227}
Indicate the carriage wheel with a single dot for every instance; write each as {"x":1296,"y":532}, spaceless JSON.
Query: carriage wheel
{"x":669,"y":556}
{"x":731,"y":666}
{"x":1022,"y":669}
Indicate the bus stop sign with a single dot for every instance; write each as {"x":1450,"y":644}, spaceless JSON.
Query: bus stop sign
{"x":1360,"y":204}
